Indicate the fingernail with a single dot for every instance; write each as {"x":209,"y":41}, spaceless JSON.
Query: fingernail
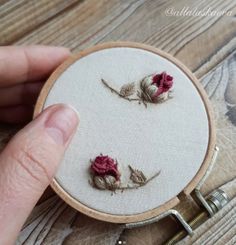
{"x":61,"y":124}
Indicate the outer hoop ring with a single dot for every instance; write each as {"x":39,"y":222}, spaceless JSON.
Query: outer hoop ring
{"x":191,"y":185}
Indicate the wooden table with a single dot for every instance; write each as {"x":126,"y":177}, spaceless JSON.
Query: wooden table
{"x":206,"y":44}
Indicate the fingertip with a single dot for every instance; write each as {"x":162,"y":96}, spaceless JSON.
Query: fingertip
{"x":60,"y":53}
{"x":62,"y":123}
{"x":55,"y":54}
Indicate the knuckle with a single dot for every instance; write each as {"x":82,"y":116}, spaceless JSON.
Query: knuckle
{"x":30,"y":161}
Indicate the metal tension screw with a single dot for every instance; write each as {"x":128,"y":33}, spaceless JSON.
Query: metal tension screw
{"x":217,"y":200}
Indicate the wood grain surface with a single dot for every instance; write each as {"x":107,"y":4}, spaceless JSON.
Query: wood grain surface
{"x":206,"y":44}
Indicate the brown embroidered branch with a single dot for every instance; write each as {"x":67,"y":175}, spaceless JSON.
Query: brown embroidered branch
{"x":106,"y":176}
{"x":122,"y":93}
{"x":138,"y":178}
{"x":154,"y":88}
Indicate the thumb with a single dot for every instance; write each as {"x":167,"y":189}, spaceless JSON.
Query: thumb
{"x":28,"y":164}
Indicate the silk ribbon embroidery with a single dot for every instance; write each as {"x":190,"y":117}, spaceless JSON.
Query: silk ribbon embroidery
{"x":154,"y":88}
{"x":105,"y":175}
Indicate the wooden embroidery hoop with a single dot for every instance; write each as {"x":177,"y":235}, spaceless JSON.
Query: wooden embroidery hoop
{"x":175,"y":200}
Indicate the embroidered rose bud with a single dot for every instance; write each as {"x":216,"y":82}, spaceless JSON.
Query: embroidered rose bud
{"x":111,"y":182}
{"x":105,"y":165}
{"x":106,"y":182}
{"x":155,"y":88}
{"x":105,"y":173}
{"x":99,"y":182}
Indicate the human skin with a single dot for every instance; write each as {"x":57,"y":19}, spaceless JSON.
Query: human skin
{"x":30,"y":160}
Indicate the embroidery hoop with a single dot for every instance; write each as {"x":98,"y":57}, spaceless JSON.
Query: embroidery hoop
{"x":166,"y":207}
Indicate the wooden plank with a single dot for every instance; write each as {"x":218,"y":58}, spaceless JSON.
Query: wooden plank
{"x":21,"y":17}
{"x":221,"y":87}
{"x":84,"y":24}
{"x":193,"y":40}
{"x":199,"y":42}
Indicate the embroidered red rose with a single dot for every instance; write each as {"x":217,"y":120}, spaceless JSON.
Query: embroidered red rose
{"x":163,"y":81}
{"x":105,"y":165}
{"x":155,"y":88}
{"x":106,"y":176}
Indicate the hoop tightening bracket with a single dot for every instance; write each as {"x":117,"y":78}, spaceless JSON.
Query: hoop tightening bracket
{"x":215,"y":200}
{"x":212,"y":203}
{"x":172,"y":212}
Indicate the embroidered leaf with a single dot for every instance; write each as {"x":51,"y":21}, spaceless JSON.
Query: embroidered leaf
{"x":111,"y":182}
{"x":127,"y":89}
{"x":99,"y":182}
{"x":137,"y":176}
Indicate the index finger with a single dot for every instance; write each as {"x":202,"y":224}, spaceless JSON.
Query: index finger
{"x":22,"y":64}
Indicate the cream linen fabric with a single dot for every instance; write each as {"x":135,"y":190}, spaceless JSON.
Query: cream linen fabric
{"x":171,"y":137}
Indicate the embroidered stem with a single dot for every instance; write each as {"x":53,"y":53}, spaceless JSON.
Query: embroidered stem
{"x":117,"y":92}
{"x":153,"y":177}
{"x":138,"y":178}
{"x":154,"y":88}
{"x":106,"y":176}
{"x":141,"y":99}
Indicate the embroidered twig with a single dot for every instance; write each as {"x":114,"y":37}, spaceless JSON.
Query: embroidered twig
{"x":106,"y":176}
{"x":139,"y":178}
{"x":153,"y":177}
{"x":119,"y":93}
{"x":154,"y":88}
{"x":112,"y":89}
{"x":123,"y":188}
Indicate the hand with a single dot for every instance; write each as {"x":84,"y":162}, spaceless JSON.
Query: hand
{"x":29,"y":161}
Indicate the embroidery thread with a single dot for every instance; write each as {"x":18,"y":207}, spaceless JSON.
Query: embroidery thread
{"x":154,"y":88}
{"x":106,"y":176}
